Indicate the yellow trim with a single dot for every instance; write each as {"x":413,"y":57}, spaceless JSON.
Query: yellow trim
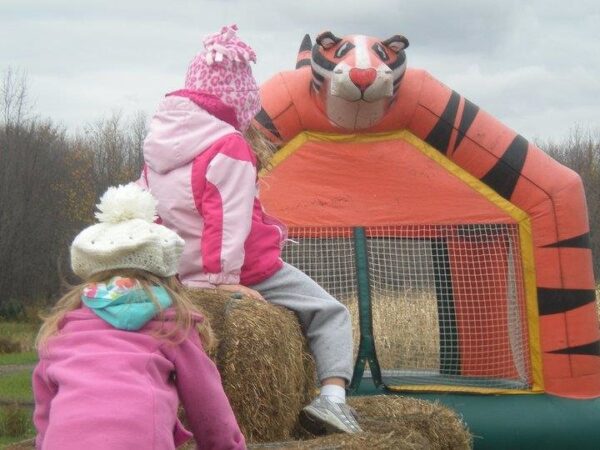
{"x":287,"y":150}
{"x":520,"y":216}
{"x":460,"y":389}
{"x":531,"y":304}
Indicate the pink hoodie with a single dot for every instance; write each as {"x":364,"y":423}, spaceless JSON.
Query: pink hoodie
{"x":98,"y":387}
{"x":203,"y":174}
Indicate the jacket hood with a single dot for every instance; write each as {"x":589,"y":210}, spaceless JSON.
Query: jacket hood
{"x":181,"y":130}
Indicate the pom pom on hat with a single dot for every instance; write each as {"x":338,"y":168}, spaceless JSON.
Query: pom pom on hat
{"x":225,"y":44}
{"x":126,"y":237}
{"x":122,"y":203}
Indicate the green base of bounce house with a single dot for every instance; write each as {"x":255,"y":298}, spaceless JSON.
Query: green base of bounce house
{"x":532,"y":422}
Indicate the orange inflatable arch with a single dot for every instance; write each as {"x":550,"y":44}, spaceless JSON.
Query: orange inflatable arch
{"x":432,"y":166}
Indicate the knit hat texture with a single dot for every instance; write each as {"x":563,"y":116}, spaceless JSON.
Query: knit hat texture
{"x":126,"y":237}
{"x":223,"y":70}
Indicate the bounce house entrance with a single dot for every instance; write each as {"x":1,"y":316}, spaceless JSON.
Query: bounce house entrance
{"x":434,"y":307}
{"x":429,"y":261}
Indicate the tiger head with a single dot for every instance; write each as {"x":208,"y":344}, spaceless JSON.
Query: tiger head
{"x":355,"y":78}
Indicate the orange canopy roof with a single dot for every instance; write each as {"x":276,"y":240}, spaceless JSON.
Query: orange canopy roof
{"x":387,"y":182}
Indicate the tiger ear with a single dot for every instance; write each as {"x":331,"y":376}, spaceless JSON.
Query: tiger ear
{"x":327,"y":40}
{"x":396,"y":43}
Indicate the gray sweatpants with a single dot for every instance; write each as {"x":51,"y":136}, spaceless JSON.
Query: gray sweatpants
{"x":325,"y":322}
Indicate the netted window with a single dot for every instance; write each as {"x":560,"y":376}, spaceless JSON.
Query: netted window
{"x":447,"y":301}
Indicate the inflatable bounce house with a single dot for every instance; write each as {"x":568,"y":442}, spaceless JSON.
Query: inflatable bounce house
{"x":461,"y":249}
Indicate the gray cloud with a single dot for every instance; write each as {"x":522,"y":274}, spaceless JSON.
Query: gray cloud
{"x":532,"y":64}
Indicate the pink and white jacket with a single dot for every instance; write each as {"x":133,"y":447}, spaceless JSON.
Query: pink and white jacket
{"x":203,"y":174}
{"x":97,"y":387}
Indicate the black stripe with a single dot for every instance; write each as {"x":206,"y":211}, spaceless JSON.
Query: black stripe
{"x":504,"y":175}
{"x":315,"y":86}
{"x":320,"y":60}
{"x":470,"y":110}
{"x":581,"y":241}
{"x":263,"y":118}
{"x":397,"y":81}
{"x":306,"y":44}
{"x":303,"y":63}
{"x":439,"y":137}
{"x":592,"y":349}
{"x":554,"y":301}
{"x":317,"y":76}
{"x":448,"y":329}
{"x":399,"y":61}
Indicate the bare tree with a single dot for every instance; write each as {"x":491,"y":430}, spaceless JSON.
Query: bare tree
{"x":137,"y":131}
{"x":116,"y":146}
{"x":13,"y":98}
{"x":32,"y":204}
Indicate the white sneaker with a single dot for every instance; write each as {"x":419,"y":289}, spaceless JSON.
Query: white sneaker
{"x":325,"y":416}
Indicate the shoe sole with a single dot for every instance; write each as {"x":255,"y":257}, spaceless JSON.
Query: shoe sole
{"x":319,"y":424}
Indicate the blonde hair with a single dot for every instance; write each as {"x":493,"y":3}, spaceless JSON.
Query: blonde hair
{"x":183,"y":305}
{"x":262,"y":147}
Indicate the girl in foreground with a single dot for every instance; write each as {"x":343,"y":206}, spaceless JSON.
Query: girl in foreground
{"x":120,"y":351}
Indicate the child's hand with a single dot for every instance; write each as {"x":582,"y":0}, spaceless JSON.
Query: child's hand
{"x":242,"y":290}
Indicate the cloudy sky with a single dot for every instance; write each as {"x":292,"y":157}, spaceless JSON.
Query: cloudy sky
{"x":533,"y":64}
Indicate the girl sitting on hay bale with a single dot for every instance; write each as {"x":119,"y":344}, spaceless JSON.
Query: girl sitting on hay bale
{"x":118,"y":352}
{"x":203,"y":173}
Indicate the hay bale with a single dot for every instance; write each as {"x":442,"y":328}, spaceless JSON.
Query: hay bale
{"x":392,"y":423}
{"x":442,"y":426}
{"x":269,"y":376}
{"x":266,"y":370}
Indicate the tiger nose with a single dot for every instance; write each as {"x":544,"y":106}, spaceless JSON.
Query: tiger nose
{"x":363,"y":78}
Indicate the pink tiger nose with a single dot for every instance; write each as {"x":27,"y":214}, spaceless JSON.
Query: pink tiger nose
{"x":363,"y":78}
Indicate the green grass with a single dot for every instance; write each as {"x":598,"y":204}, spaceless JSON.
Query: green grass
{"x":15,"y":421}
{"x":15,"y":424}
{"x":22,"y":333}
{"x":18,"y":358}
{"x":16,"y":386}
{"x":5,"y":441}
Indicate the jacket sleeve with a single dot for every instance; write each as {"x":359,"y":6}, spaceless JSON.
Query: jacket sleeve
{"x":226,"y":207}
{"x":207,"y":408}
{"x":43,"y":393}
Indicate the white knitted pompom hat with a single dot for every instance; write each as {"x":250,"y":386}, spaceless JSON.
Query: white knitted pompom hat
{"x":126,"y":237}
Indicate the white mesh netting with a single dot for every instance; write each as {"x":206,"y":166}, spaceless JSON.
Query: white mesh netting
{"x":447,"y":301}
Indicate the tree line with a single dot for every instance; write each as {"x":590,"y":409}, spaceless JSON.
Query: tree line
{"x":50,"y":181}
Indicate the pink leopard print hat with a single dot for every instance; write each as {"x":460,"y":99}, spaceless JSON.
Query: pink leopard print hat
{"x":223,"y":70}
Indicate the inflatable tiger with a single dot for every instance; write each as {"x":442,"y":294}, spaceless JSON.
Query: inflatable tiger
{"x":356,"y":78}
{"x":353,"y":81}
